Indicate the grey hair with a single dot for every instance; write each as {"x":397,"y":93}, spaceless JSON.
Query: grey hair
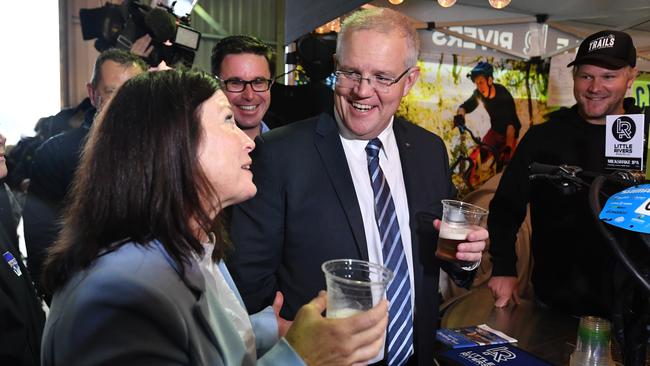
{"x":386,"y":21}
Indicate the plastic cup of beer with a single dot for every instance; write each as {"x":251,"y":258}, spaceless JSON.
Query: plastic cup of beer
{"x":354,"y":286}
{"x":458,"y":219}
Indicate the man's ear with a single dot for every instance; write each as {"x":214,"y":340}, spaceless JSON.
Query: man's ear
{"x":411,"y":78}
{"x":93,"y":95}
{"x":634,"y":72}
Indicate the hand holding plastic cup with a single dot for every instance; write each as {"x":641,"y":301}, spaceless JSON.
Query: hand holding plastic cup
{"x":458,"y":220}
{"x":354,"y":286}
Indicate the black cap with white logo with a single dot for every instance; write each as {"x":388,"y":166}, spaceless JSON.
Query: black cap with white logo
{"x":610,"y":49}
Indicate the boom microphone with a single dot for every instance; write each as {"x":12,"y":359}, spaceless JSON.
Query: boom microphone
{"x":162,"y":24}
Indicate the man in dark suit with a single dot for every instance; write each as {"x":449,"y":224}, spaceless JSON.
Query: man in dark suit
{"x":245,"y":66}
{"x":21,"y":315}
{"x":316,"y":201}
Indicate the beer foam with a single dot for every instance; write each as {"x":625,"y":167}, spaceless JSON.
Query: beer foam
{"x":342,"y":313}
{"x":454,"y":233}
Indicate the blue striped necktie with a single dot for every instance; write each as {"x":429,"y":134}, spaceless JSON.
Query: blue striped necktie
{"x":400,"y":325}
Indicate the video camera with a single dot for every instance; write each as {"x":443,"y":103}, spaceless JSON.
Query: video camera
{"x":173,"y":39}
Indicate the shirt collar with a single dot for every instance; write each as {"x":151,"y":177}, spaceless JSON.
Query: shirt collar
{"x":264,"y":127}
{"x":387,"y":138}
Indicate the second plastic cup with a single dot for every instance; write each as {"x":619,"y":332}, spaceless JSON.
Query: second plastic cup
{"x":593,"y":343}
{"x":458,"y":219}
{"x":354,"y":286}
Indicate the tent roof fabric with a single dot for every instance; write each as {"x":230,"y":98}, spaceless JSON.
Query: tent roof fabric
{"x":301,"y":17}
{"x":577,"y":17}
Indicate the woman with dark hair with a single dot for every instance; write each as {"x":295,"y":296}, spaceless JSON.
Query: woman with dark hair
{"x":137,"y":275}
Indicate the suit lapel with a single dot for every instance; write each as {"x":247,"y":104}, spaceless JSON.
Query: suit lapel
{"x":195,"y":281}
{"x":214,"y":319}
{"x":408,"y":158}
{"x":328,"y":144}
{"x":412,"y":184}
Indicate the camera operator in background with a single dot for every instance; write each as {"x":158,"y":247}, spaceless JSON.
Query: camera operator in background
{"x":154,"y":32}
{"x":19,"y":158}
{"x":500,"y":106}
{"x":573,"y":265}
{"x":56,"y":160}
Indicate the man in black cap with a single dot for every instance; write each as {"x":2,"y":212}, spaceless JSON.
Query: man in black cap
{"x":573,"y":265}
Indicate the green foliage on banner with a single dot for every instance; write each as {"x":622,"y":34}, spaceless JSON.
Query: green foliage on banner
{"x":641,"y":90}
{"x":443,"y":86}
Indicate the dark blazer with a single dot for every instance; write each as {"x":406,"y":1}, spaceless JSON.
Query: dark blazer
{"x":53,"y":168}
{"x":21,"y":315}
{"x":306,"y":212}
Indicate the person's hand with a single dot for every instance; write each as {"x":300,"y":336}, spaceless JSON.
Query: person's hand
{"x":354,"y":340}
{"x":472,"y":249}
{"x":142,"y":46}
{"x":283,"y":324}
{"x":503,"y":289}
{"x":162,"y":66}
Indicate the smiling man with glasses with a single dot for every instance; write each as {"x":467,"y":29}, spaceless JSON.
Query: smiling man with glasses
{"x":244,"y":65}
{"x":357,"y":183}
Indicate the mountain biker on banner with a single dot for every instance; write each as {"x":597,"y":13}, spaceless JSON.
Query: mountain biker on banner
{"x":500,"y":106}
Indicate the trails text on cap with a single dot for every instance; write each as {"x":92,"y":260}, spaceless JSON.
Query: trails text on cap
{"x":610,"y":49}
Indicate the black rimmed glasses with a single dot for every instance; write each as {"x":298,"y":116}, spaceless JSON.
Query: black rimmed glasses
{"x":351,"y":79}
{"x":237,"y":85}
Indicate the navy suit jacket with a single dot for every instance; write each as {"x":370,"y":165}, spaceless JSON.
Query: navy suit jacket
{"x":306,"y":212}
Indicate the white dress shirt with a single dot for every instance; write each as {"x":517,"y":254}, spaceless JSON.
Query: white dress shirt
{"x":391,"y":165}
{"x":217,"y":286}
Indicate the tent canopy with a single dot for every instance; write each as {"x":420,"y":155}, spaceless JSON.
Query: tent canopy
{"x":301,"y":17}
{"x":576,"y":17}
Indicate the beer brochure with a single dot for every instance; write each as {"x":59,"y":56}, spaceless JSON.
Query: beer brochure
{"x":501,"y":354}
{"x":479,"y":335}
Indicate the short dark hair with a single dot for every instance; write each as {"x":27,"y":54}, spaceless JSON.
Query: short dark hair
{"x":239,"y":44}
{"x":121,"y":57}
{"x":140,"y":178}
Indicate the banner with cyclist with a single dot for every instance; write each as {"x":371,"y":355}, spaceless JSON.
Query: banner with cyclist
{"x":480,"y":107}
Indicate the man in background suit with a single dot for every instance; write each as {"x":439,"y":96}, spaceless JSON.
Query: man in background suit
{"x":315,"y":200}
{"x":245,"y":65}
{"x":56,"y":160}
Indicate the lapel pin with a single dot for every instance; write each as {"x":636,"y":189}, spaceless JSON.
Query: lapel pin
{"x":12,"y":262}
